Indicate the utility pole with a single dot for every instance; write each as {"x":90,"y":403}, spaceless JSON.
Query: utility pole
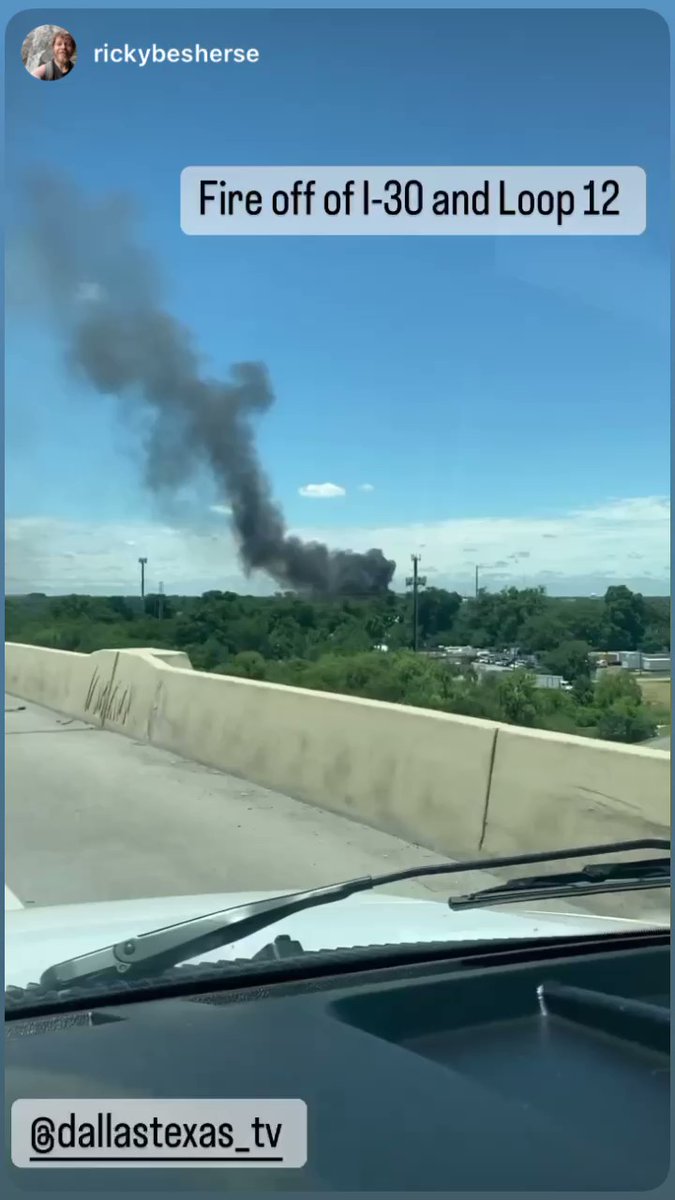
{"x":479,"y":567}
{"x":160,"y":602}
{"x":142,"y":561}
{"x":416,"y":581}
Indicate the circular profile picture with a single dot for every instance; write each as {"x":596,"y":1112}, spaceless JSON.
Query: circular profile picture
{"x":49,"y":53}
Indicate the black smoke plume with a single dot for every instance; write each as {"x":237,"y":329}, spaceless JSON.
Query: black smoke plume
{"x":103,"y":290}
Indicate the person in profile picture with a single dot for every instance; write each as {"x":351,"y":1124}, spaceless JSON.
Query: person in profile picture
{"x":61,"y":62}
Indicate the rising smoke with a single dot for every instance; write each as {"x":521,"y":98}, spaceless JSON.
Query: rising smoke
{"x":103,"y":290}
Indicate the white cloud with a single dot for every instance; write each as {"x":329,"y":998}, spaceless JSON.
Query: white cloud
{"x":322,"y":491}
{"x":222,"y":510}
{"x":366,"y":487}
{"x":574,"y":551}
{"x":44,"y":554}
{"x":583,"y":551}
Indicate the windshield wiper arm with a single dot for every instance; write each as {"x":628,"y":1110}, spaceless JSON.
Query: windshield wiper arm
{"x":159,"y":949}
{"x":591,"y":880}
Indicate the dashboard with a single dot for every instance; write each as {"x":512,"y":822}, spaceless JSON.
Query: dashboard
{"x":533,"y":1066}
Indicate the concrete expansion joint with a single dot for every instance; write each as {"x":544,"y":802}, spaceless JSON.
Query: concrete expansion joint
{"x":152,"y":714}
{"x":488,"y":789}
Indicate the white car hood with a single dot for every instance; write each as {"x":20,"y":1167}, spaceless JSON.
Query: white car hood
{"x":39,"y":937}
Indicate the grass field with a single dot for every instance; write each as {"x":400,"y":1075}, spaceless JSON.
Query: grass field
{"x":656,"y":693}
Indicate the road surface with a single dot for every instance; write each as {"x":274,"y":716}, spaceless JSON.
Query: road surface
{"x":659,"y":743}
{"x":92,"y":815}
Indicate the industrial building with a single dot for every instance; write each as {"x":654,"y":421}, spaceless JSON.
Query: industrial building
{"x":635,"y":660}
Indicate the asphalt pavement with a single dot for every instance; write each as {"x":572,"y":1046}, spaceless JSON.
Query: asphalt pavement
{"x":92,"y":815}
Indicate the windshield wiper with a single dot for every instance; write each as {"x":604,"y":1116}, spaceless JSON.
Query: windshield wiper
{"x":590,"y":880}
{"x":159,"y":949}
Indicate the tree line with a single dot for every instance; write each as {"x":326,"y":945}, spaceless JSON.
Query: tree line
{"x":363,"y":646}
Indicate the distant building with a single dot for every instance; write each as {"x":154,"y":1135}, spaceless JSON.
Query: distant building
{"x":657,"y":663}
{"x":555,"y":682}
{"x":635,"y":660}
{"x":550,"y":681}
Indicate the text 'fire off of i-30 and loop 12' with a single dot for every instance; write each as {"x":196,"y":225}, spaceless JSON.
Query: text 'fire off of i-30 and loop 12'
{"x":465,"y":201}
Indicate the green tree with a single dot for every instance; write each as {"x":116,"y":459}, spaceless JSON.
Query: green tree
{"x":69,"y":637}
{"x":623,"y":721}
{"x":615,"y":686}
{"x":558,"y":711}
{"x":121,"y":608}
{"x":583,"y":619}
{"x":517,"y":696}
{"x":657,"y":620}
{"x":569,"y":659}
{"x":73,"y":608}
{"x":350,"y":637}
{"x":582,"y":692}
{"x":158,"y":606}
{"x":377,"y":625}
{"x":284,"y":638}
{"x":496,"y":619}
{"x":248,"y":664}
{"x":543,"y":631}
{"x":328,"y":644}
{"x":624,"y":618}
{"x":437,"y":612}
{"x":248,"y":632}
{"x":206,"y":655}
{"x":655,"y":640}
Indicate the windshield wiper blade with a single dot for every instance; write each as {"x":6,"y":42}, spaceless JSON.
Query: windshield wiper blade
{"x":594,"y":879}
{"x":160,"y":949}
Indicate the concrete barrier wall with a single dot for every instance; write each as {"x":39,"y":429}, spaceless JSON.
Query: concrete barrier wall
{"x":422,"y":776}
{"x":127,"y":703}
{"x":549,"y":789}
{"x":111,"y":689}
{"x":456,"y":785}
{"x":70,"y":683}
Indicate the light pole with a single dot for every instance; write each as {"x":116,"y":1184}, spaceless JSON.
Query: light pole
{"x":479,"y":567}
{"x":142,"y":561}
{"x":416,"y":581}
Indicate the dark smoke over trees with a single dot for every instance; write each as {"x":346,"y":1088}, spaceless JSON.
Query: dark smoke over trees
{"x":103,"y":290}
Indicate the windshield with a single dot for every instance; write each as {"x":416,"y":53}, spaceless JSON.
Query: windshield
{"x":332,"y":548}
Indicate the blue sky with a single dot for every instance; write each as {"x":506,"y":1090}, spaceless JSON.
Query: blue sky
{"x":507,"y":400}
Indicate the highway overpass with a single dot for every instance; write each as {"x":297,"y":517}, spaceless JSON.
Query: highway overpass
{"x":130,"y":775}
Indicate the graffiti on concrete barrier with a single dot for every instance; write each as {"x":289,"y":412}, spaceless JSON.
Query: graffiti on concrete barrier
{"x":107,"y":700}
